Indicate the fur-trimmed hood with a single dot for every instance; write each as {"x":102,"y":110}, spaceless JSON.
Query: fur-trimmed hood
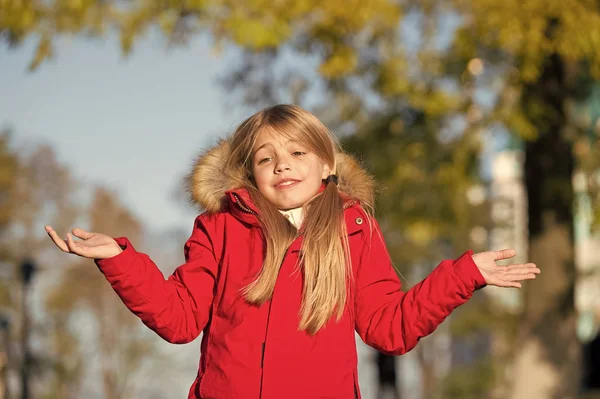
{"x":207,"y":183}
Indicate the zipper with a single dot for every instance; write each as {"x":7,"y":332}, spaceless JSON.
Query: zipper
{"x":243,"y":207}
{"x":264,"y":344}
{"x":240,"y":204}
{"x":299,"y":232}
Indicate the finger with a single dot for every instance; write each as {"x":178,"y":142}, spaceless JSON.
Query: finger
{"x":80,"y":233}
{"x":520,"y":265}
{"x":520,"y":277}
{"x":74,"y":247}
{"x":505,"y":283}
{"x":60,"y":243}
{"x":504,"y":254}
{"x":525,"y":268}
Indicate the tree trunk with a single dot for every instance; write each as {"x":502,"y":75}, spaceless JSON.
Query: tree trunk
{"x":427,"y":368}
{"x":110,"y":384}
{"x":547,"y":363}
{"x":386,"y":366}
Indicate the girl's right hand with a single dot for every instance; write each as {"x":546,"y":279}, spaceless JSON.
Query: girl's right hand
{"x":93,"y":245}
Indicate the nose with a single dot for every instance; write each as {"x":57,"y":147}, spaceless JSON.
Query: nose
{"x":283,"y":164}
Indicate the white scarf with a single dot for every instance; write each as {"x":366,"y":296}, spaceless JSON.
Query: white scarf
{"x":294,"y":216}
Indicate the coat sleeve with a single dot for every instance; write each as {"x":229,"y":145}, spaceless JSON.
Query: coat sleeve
{"x":392,"y":321}
{"x":177,"y":308}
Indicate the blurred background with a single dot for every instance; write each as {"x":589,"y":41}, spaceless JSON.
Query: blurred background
{"x":479,"y":119}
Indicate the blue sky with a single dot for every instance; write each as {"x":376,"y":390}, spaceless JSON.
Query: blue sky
{"x":132,"y":123}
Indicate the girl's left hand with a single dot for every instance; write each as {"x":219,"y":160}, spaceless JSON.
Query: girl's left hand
{"x":504,"y":276}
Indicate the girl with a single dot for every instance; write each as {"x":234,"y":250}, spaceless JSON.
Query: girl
{"x":284,"y":265}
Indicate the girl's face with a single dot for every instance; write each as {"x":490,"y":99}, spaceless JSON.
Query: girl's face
{"x":286,"y":172}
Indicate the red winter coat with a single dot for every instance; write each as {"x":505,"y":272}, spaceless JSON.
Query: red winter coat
{"x":257,"y":351}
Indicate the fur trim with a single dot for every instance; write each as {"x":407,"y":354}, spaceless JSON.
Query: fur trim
{"x":208,"y":182}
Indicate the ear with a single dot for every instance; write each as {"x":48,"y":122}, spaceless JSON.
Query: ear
{"x":326,"y":171}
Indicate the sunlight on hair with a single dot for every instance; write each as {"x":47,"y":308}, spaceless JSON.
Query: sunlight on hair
{"x":325,"y":259}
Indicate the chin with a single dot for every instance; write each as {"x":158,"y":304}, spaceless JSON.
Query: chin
{"x":285,"y":207}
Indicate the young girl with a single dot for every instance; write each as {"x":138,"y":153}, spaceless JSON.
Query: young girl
{"x":283,"y":266}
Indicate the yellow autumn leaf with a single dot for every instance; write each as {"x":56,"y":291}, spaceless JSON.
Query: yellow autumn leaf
{"x":340,"y":63}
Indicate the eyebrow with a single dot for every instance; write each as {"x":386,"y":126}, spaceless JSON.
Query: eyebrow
{"x":269,"y":143}
{"x":262,"y":146}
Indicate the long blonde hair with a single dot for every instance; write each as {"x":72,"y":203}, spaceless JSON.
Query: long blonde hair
{"x":324,"y":258}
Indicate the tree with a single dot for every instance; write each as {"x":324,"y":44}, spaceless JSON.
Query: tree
{"x":37,"y":189}
{"x":34,"y":184}
{"x":119,"y":339}
{"x":547,"y":51}
{"x":519,"y":64}
{"x":425,"y":212}
{"x":8,"y":169}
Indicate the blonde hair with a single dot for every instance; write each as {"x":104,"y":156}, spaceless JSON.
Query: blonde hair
{"x":324,"y":258}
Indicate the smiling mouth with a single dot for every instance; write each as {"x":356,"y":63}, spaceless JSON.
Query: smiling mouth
{"x":286,"y":184}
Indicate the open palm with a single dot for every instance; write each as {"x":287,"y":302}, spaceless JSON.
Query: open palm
{"x":504,"y":276}
{"x":92,"y":245}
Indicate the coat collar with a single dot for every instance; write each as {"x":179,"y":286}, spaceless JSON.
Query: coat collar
{"x":214,"y":189}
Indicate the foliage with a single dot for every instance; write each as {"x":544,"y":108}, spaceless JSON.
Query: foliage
{"x":35,"y":186}
{"x":518,"y":64}
{"x":8,"y":168}
{"x":117,"y":339}
{"x":424,"y":181}
{"x":470,"y":381}
{"x":37,"y":189}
